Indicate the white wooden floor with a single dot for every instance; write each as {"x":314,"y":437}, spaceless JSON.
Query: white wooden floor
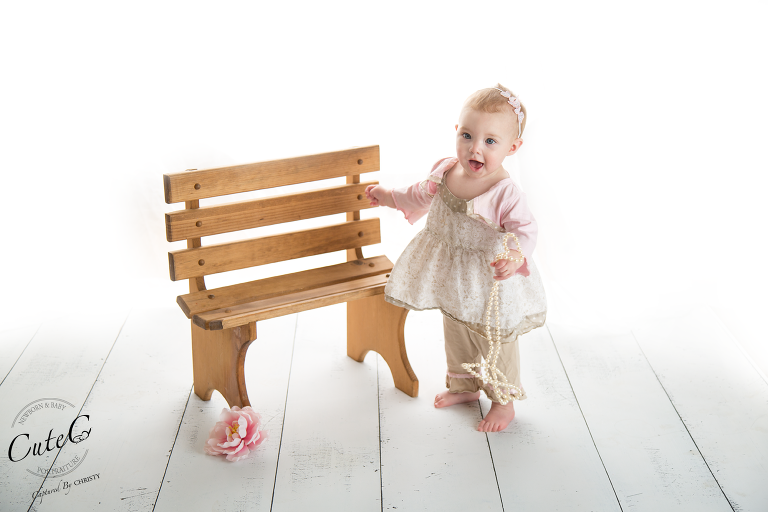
{"x":670,"y":416}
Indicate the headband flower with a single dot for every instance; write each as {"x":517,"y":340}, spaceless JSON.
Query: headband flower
{"x":516,"y":105}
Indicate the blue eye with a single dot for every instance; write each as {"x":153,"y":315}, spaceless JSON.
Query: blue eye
{"x":490,"y":141}
{"x":466,"y":136}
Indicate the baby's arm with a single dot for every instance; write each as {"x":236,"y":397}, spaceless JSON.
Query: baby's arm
{"x":518,"y":219}
{"x":379,"y":196}
{"x":414,"y":201}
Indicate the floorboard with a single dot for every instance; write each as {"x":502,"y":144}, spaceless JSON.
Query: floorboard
{"x":197,"y":481}
{"x":12,"y":344}
{"x":651,"y":460}
{"x":56,"y":372}
{"x":134,"y":411}
{"x":668,"y":416}
{"x":432,"y":459}
{"x":720,"y":397}
{"x":546,"y":459}
{"x":329,"y":455}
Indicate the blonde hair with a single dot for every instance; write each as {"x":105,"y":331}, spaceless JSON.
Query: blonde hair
{"x":490,"y":100}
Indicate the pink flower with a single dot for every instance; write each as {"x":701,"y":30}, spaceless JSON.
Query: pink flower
{"x":236,"y":434}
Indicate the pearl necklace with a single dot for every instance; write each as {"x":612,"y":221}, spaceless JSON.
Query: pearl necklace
{"x":493,"y":376}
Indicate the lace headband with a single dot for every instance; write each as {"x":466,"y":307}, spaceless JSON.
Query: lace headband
{"x":518,"y":109}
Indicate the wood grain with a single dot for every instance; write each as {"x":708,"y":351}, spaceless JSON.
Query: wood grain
{"x":134,"y":409}
{"x":432,"y":459}
{"x":12,"y":345}
{"x":197,"y":481}
{"x":356,"y":253}
{"x":375,"y":324}
{"x":185,"y":186}
{"x":720,"y":396}
{"x":234,"y":295}
{"x":329,"y":457}
{"x":198,"y":283}
{"x":292,"y":303}
{"x":186,"y":263}
{"x":62,"y":362}
{"x":212,"y":220}
{"x":218,"y":362}
{"x":546,"y":459}
{"x":651,"y":459}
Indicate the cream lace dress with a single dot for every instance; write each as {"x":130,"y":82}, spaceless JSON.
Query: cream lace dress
{"x":447,"y":267}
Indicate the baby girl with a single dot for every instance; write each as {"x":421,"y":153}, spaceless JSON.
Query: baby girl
{"x":450,"y":265}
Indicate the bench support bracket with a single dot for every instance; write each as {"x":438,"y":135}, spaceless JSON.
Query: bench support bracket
{"x":218,"y":362}
{"x":375,"y":324}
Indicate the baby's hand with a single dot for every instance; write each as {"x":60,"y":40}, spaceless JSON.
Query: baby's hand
{"x":378,"y":195}
{"x":504,"y":269}
{"x":370,"y":194}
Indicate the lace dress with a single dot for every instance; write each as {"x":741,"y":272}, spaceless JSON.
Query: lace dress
{"x":447,"y":267}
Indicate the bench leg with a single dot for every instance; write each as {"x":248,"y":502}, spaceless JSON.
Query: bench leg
{"x":375,"y":324}
{"x":218,"y":362}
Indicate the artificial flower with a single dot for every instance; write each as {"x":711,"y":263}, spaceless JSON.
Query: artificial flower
{"x":236,"y":434}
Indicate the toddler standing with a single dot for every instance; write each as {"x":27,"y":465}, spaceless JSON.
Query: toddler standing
{"x":472,"y":203}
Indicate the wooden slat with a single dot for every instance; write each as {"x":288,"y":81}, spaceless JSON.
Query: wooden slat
{"x":61,"y":363}
{"x":720,"y":397}
{"x":151,"y":357}
{"x":213,"y":259}
{"x":651,"y":459}
{"x":292,"y":303}
{"x":12,"y":345}
{"x":256,"y":213}
{"x":431,"y":457}
{"x":546,"y":459}
{"x":357,"y":253}
{"x":234,"y":295}
{"x":185,"y":186}
{"x":329,"y":452}
{"x":197,"y":284}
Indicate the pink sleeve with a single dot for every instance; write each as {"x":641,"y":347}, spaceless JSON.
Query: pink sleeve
{"x":518,"y":219}
{"x":414,"y":201}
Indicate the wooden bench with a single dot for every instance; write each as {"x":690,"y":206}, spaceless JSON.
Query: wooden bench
{"x":224,"y":319}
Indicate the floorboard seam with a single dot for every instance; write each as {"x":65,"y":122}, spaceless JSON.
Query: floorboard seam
{"x":739,"y":346}
{"x":683,"y":422}
{"x":493,"y":465}
{"x":170,"y":454}
{"x":22,"y":353}
{"x":378,"y":398}
{"x":285,"y":409}
{"x":554,"y":345}
{"x":85,"y":401}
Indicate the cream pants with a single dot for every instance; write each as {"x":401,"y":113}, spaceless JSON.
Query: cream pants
{"x":465,"y":346}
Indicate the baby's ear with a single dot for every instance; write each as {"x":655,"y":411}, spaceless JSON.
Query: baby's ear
{"x":515,"y":146}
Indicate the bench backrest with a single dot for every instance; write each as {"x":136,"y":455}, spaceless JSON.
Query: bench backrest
{"x":194,"y":222}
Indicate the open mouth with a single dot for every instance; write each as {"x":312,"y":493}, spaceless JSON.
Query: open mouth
{"x":475,"y":165}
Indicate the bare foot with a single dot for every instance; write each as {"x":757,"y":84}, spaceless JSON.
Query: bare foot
{"x":498,"y":417}
{"x":446,"y":398}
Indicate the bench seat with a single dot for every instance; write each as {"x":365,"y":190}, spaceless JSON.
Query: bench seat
{"x":232,"y":306}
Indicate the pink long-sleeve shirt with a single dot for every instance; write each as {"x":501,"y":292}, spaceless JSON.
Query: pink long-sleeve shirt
{"x":502,"y":207}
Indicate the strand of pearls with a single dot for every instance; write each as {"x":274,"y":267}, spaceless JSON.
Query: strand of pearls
{"x":488,"y":373}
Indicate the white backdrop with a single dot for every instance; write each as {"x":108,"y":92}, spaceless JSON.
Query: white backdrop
{"x":644,"y":155}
